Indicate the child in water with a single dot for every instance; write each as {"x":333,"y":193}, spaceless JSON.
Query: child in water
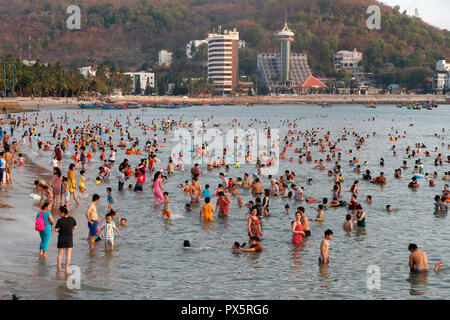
{"x":108,"y":227}
{"x":166,"y":208}
{"x":111,"y":201}
{"x":81,"y":185}
{"x":207,"y":211}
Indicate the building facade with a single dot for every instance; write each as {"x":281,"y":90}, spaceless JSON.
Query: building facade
{"x":192,"y":45}
{"x":441,"y":78}
{"x":285,"y":69}
{"x":87,"y":71}
{"x":140,"y":79}
{"x":164,"y":58}
{"x":223,"y":60}
{"x":347,"y":60}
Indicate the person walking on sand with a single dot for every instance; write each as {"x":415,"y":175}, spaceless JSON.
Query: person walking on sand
{"x":92,"y":217}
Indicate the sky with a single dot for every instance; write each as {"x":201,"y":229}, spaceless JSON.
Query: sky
{"x":434,"y":12}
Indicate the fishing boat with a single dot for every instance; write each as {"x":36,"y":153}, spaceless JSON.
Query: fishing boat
{"x":325,"y":105}
{"x":430,"y":105}
{"x":87,"y":106}
{"x":109,"y":107}
{"x":371,"y":105}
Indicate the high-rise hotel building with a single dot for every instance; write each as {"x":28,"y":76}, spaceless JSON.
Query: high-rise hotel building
{"x":223,"y":60}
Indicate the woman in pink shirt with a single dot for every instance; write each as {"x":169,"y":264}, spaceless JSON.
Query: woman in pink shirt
{"x":157,"y":187}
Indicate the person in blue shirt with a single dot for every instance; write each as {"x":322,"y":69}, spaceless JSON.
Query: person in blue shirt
{"x":206,"y":192}
{"x":110,"y":198}
{"x":45,"y":235}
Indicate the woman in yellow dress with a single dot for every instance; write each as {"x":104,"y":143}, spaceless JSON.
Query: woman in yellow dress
{"x":72,"y":183}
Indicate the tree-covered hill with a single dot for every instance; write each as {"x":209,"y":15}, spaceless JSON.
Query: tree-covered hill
{"x":131,"y":32}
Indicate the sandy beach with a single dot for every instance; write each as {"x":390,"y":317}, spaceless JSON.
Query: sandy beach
{"x":33,"y":104}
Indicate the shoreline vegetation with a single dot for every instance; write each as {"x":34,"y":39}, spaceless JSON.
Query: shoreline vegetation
{"x":24,"y":104}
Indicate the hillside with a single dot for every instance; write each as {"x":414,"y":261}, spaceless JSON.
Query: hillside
{"x":130,"y":32}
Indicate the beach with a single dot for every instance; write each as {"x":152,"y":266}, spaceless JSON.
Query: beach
{"x":33,"y":104}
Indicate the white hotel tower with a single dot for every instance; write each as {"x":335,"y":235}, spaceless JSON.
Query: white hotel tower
{"x":223,"y":60}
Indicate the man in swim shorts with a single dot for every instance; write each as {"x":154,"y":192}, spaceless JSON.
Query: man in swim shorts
{"x":324,"y":247}
{"x":91,"y":215}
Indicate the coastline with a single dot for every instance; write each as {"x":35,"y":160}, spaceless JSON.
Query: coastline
{"x":25,"y":104}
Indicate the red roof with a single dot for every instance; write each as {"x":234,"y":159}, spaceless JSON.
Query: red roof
{"x":312,"y":82}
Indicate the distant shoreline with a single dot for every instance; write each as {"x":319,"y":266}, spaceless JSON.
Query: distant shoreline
{"x":14,"y":105}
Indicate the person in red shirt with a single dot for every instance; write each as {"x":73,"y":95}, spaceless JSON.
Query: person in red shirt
{"x":140,"y":181}
{"x":223,"y":204}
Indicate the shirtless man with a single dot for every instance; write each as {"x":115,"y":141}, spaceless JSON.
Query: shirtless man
{"x":324,"y":246}
{"x":195,"y":171}
{"x":418,"y":260}
{"x":257,"y":187}
{"x":195,"y":190}
{"x":304,"y":221}
{"x":9,"y":163}
{"x":247,"y":184}
{"x":92,"y":217}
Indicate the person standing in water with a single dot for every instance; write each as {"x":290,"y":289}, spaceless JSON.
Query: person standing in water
{"x":65,"y":227}
{"x":360,"y":217}
{"x":253,"y":224}
{"x":48,"y":221}
{"x":92,"y":217}
{"x":297,"y":229}
{"x":324,"y":247}
{"x":157,"y":187}
{"x":72,"y":183}
{"x":418,"y":260}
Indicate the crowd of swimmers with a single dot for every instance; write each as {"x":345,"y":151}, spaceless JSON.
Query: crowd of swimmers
{"x":81,"y":144}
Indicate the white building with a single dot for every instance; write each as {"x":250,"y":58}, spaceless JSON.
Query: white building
{"x":141,"y":78}
{"x":30,"y":63}
{"x":87,"y":71}
{"x":441,"y":79}
{"x":223,"y":60}
{"x":193,"y":44}
{"x":164,"y":58}
{"x":347,"y":59}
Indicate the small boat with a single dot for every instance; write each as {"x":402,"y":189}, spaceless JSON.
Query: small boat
{"x":87,"y":106}
{"x":216,"y":104}
{"x":109,"y":107}
{"x":371,"y":105}
{"x":325,"y":105}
